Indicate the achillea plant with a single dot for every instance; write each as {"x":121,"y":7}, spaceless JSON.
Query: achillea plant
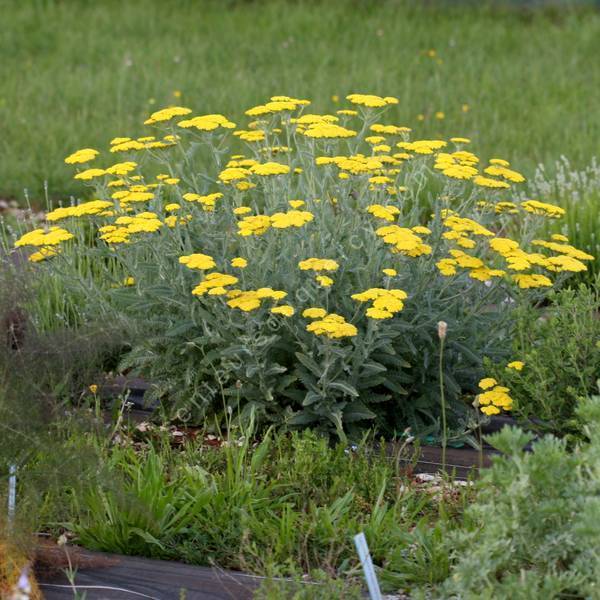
{"x":302,"y":277}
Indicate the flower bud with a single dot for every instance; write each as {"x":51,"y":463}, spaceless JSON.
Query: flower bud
{"x":442,"y":329}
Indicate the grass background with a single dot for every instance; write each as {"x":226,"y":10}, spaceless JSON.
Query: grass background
{"x":76,"y":73}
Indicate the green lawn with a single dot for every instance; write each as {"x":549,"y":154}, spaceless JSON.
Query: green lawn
{"x":77,"y":73}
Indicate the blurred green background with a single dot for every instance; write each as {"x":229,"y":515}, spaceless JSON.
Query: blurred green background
{"x":522,"y":82}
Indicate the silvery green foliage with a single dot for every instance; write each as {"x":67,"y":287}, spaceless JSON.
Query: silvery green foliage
{"x":534,"y":531}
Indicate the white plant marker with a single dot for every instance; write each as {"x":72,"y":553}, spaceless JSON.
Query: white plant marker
{"x":360,"y":541}
{"x":12,"y":493}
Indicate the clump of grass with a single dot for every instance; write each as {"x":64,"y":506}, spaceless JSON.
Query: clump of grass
{"x":286,"y":505}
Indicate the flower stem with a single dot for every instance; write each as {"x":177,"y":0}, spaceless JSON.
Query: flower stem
{"x":443,"y":402}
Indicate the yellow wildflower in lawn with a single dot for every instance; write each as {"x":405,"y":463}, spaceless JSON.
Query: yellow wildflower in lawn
{"x":390,"y":272}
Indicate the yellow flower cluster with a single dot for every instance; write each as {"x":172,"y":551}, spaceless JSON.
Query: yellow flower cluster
{"x":43,"y":253}
{"x":81,"y":156}
{"x":371,"y":101}
{"x":93,"y":207}
{"x":457,"y":165}
{"x":166,"y":114}
{"x":277,"y":104}
{"x":389,"y":129}
{"x":42,"y":237}
{"x":291,"y":218}
{"x":89,"y":174}
{"x":542,"y":208}
{"x":207,"y":201}
{"x":494,"y":397}
{"x":403,"y":240}
{"x":318,"y":264}
{"x":364,"y":178}
{"x":389,"y":213}
{"x":328,"y":131}
{"x":198,"y":261}
{"x":254,"y":225}
{"x":124,"y":227}
{"x":207,"y":123}
{"x":250,"y":300}
{"x":330,"y":325}
{"x":148,"y":142}
{"x":385,"y":303}
{"x":214,"y":284}
{"x":269,"y":168}
{"x":422,"y":146}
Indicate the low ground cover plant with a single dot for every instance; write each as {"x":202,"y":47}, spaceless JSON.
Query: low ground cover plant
{"x":303,"y":282}
{"x":533,"y":530}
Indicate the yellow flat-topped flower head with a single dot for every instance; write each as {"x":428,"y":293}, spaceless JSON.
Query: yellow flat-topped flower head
{"x":198,"y":261}
{"x":166,"y":114}
{"x":81,"y":156}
